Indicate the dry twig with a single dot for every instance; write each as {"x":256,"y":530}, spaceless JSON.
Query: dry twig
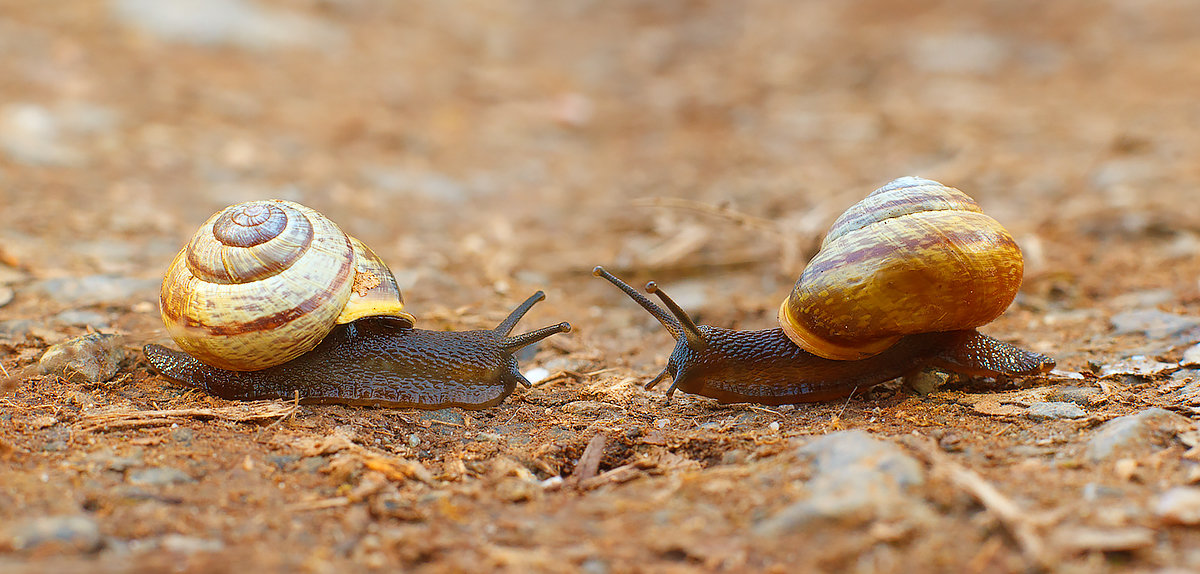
{"x":251,"y":411}
{"x":589,"y":461}
{"x":1017,"y":521}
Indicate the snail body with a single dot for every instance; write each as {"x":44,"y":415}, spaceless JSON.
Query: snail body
{"x":896,"y":287}
{"x":270,"y":299}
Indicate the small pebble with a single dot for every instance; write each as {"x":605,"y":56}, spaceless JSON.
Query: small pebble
{"x":926,"y":381}
{"x":536,"y":375}
{"x":6,"y":295}
{"x":94,"y":358}
{"x":1135,"y":435}
{"x":1191,"y":357}
{"x":63,"y":534}
{"x":1180,"y":505}
{"x":190,"y":545}
{"x":1054,"y":410}
{"x":158,"y":476}
{"x":857,"y":478}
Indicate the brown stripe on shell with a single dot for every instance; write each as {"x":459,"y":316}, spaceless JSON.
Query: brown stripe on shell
{"x":272,"y":321}
{"x":913,"y":243}
{"x":892,"y":202}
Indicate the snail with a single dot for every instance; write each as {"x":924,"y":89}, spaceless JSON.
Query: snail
{"x":901,"y":282}
{"x":270,"y":298}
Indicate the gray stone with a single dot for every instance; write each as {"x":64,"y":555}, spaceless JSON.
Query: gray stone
{"x":6,"y":295}
{"x":856,"y":451}
{"x":1153,"y":323}
{"x":856,"y":478}
{"x":94,"y":358}
{"x":65,"y":534}
{"x":927,"y":381}
{"x":190,"y":545}
{"x":1135,"y":435}
{"x":1191,"y":357}
{"x":99,"y":289}
{"x":158,"y":476}
{"x":1180,"y":505}
{"x":1082,"y":396}
{"x":1054,"y":410}
{"x":241,"y":23}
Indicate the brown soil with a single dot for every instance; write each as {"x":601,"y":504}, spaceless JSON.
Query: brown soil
{"x":488,"y":151}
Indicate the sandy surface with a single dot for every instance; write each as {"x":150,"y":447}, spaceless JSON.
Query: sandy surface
{"x":488,"y":150}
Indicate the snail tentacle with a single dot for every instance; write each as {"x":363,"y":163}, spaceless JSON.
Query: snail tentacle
{"x":506,"y":326}
{"x":670,"y":323}
{"x":691,"y":332}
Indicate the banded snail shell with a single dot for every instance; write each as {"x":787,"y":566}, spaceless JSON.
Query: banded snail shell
{"x":914,"y":256}
{"x":263,"y":282}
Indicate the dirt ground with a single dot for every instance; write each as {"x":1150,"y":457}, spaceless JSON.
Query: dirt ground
{"x":490,"y":149}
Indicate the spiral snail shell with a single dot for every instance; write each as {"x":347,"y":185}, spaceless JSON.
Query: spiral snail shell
{"x":914,"y":256}
{"x":901,"y":283}
{"x":271,"y":300}
{"x":263,"y":282}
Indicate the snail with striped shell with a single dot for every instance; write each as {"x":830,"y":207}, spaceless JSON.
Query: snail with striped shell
{"x":901,"y":283}
{"x":271,"y":298}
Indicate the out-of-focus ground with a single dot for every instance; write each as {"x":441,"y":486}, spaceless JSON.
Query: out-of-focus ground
{"x":487,"y":150}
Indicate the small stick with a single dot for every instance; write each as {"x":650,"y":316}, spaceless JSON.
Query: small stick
{"x":1011,"y":516}
{"x":589,"y":461}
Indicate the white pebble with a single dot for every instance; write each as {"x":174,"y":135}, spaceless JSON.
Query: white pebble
{"x":537,"y":375}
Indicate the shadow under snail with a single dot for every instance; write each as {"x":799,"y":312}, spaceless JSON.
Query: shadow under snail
{"x":270,"y":298}
{"x":901,"y":282}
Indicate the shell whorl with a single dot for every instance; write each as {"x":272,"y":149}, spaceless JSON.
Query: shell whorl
{"x":913,"y":257}
{"x":263,"y":282}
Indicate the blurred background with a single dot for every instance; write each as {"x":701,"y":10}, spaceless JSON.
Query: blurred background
{"x":487,"y":149}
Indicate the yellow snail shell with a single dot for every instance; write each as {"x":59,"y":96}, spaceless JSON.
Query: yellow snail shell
{"x":913,"y":257}
{"x":263,"y":282}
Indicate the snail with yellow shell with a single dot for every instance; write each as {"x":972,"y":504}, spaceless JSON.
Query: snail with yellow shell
{"x":901,"y":282}
{"x":270,"y":299}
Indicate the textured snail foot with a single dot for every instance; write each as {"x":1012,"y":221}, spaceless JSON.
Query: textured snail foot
{"x":379,"y":361}
{"x":973,"y":353}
